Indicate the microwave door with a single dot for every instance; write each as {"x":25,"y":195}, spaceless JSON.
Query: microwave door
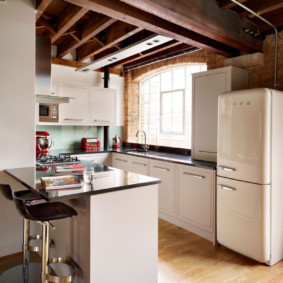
{"x":244,"y":130}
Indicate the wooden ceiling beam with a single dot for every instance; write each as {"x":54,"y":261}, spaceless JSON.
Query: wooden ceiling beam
{"x":159,"y":56}
{"x":41,"y":6}
{"x":262,"y":7}
{"x":47,"y":25}
{"x":145,"y":20}
{"x":205,"y":18}
{"x":228,"y":4}
{"x":95,"y":25}
{"x":67,"y":20}
{"x":68,"y":63}
{"x":113,"y":35}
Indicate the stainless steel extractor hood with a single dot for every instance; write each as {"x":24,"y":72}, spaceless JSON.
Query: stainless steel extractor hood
{"x":43,"y":73}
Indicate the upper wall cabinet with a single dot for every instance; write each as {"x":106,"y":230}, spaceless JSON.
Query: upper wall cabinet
{"x":90,"y":106}
{"x":206,"y":88}
{"x":76,"y":112}
{"x":103,"y":106}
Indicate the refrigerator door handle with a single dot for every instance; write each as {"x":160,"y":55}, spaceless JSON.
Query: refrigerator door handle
{"x":220,"y":167}
{"x":222,"y":187}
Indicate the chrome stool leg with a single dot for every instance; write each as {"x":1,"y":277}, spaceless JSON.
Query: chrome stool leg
{"x":45,"y":251}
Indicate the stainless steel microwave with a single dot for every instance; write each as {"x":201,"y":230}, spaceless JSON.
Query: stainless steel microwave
{"x":48,"y":112}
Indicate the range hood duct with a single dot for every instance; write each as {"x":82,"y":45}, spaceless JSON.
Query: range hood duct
{"x":43,"y":73}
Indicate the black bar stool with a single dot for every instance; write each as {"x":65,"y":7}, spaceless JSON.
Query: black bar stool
{"x":30,"y":197}
{"x":45,"y":213}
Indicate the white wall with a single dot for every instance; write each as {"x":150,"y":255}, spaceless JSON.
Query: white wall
{"x":17,"y":108}
{"x":69,"y":75}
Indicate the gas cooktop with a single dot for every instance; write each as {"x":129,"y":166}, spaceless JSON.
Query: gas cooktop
{"x":43,"y":160}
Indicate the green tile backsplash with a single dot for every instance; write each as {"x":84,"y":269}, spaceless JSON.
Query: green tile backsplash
{"x":69,"y":137}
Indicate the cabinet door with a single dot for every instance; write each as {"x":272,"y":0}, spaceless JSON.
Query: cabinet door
{"x":139,"y":165}
{"x":121,"y":161}
{"x":76,"y":112}
{"x":196,"y":199}
{"x":165,"y":172}
{"x":205,"y":104}
{"x":103,"y":104}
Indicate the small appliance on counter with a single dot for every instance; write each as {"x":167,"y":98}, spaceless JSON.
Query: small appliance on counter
{"x":116,"y":142}
{"x":90,"y":144}
{"x":43,"y":143}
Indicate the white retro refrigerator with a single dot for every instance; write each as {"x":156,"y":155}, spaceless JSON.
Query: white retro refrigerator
{"x":250,"y":173}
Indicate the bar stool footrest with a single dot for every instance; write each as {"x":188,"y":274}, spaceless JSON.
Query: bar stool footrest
{"x":34,"y":248}
{"x":61,"y":279}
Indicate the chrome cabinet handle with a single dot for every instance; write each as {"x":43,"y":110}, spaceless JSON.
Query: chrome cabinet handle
{"x":138,"y":163}
{"x":70,"y":119}
{"x":220,"y":167}
{"x":208,"y":152}
{"x":105,"y":121}
{"x":222,"y":187}
{"x":194,"y":175}
{"x":161,"y":168}
{"x":121,"y":160}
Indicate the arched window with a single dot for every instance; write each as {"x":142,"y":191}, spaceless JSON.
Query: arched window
{"x":166,"y":106}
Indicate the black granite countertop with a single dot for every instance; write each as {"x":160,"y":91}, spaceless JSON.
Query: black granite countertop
{"x":106,"y":179}
{"x":157,"y":155}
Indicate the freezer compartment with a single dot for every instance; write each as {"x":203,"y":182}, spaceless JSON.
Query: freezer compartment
{"x":243,"y":218}
{"x":244,"y":135}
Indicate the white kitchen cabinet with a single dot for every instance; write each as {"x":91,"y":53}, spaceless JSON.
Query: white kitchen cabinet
{"x":76,"y":112}
{"x":129,"y":163}
{"x":196,"y":200}
{"x":121,"y":161}
{"x":100,"y":158}
{"x":139,"y":165}
{"x":166,"y":196}
{"x":103,"y":106}
{"x":206,"y":88}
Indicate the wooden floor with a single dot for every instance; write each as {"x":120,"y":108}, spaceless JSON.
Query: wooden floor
{"x":187,"y":258}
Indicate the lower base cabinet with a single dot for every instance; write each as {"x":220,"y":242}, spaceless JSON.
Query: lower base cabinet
{"x":196,"y":200}
{"x":186,"y":195}
{"x":166,"y":196}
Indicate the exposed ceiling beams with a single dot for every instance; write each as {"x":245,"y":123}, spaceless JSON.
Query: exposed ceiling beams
{"x":87,"y":30}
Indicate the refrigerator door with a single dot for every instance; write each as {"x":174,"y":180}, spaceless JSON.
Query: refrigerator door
{"x":243,"y":218}
{"x":244,"y":135}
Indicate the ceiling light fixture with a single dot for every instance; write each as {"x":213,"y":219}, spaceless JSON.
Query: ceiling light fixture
{"x":140,"y":46}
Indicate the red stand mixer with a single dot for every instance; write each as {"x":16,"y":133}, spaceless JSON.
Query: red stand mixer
{"x":43,"y":143}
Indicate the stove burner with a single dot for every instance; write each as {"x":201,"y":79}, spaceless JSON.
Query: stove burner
{"x":57,"y":160}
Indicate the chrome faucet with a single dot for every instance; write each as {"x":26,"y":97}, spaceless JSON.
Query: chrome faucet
{"x":145,"y":146}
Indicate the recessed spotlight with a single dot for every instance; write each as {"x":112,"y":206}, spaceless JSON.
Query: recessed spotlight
{"x":149,"y":43}
{"x":156,"y":40}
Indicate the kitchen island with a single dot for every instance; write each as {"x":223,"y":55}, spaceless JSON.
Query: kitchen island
{"x":114,"y":237}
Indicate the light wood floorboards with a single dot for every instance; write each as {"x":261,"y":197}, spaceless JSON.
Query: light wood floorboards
{"x":188,"y":258}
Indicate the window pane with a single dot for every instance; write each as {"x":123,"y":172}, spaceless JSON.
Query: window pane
{"x":179,"y":78}
{"x":166,"y":102}
{"x":177,"y":102}
{"x":166,"y":81}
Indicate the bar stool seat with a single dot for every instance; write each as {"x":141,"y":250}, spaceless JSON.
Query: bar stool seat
{"x":45,"y":213}
{"x":49,"y":211}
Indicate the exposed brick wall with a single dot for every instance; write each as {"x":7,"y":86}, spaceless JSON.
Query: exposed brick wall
{"x":260,"y":76}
